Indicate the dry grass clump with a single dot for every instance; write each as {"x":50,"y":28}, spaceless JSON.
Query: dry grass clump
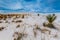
{"x":41,"y":30}
{"x":7,"y":21}
{"x":18,"y":21}
{"x":22,"y":16}
{"x":36,"y":28}
{"x":19,"y":36}
{"x":0,"y":21}
{"x":4,"y":17}
{"x":45,"y":30}
{"x":18,"y":26}
{"x":1,"y":28}
{"x":1,"y":17}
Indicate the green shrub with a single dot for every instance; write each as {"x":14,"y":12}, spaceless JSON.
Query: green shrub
{"x":50,"y":18}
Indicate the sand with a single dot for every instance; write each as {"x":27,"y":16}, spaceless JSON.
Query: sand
{"x":26,"y":25}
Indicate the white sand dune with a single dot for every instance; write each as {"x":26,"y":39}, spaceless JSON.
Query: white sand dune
{"x":26,"y":26}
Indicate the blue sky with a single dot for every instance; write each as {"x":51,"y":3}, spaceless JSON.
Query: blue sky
{"x":44,"y":6}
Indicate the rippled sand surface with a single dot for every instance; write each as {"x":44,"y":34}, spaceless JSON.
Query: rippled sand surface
{"x":28,"y":27}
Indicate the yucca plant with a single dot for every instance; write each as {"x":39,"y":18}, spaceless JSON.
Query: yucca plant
{"x":50,"y":18}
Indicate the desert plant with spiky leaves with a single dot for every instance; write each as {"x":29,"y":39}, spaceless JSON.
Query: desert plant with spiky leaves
{"x":50,"y":18}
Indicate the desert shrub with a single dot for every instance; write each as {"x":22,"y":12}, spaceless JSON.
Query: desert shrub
{"x":50,"y":18}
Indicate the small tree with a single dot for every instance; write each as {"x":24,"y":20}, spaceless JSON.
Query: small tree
{"x":50,"y":18}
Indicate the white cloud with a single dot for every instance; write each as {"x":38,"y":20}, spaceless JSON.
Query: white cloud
{"x":15,"y":6}
{"x":34,"y":6}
